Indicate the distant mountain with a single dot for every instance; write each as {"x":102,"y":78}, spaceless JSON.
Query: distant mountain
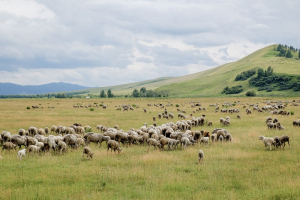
{"x":13,"y":89}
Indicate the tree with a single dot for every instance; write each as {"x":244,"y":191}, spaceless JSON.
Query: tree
{"x":260,"y":72}
{"x":269,"y":71}
{"x":251,"y":93}
{"x":279,"y":47}
{"x":102,"y":94}
{"x":143,"y":90}
{"x":299,"y":54}
{"x":135,"y":93}
{"x":110,"y":94}
{"x":289,"y":54}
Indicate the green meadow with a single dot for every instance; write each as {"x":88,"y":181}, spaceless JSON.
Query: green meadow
{"x":242,"y":169}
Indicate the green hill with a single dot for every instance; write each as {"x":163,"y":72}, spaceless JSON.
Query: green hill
{"x":211,"y":82}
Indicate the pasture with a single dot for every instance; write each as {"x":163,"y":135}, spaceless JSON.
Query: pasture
{"x":242,"y":169}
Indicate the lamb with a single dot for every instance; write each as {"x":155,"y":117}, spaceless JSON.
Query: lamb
{"x":113,"y":145}
{"x":200,"y":156}
{"x":153,"y":142}
{"x":204,"y":140}
{"x":21,"y":153}
{"x":209,"y":123}
{"x":268,"y":141}
{"x":87,"y":150}
{"x":172,"y":143}
{"x":8,"y":146}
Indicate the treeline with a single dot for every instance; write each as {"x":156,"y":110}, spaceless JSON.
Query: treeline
{"x":109,"y":94}
{"x":245,"y":75}
{"x":268,"y":81}
{"x":40,"y":96}
{"x":143,"y":92}
{"x":286,"y":51}
{"x":232,"y":90}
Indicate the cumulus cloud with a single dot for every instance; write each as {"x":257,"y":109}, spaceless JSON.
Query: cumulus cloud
{"x":109,"y":42}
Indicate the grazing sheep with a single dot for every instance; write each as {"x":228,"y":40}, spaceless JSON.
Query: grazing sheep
{"x":200,"y":156}
{"x":22,"y":153}
{"x":21,"y":132}
{"x":46,"y":130}
{"x":221,"y":138}
{"x":213,"y":137}
{"x":228,"y":137}
{"x":172,"y":143}
{"x":153,"y":142}
{"x":209,"y":123}
{"x":164,"y":141}
{"x":113,"y":145}
{"x":268,"y":141}
{"x":238,"y":116}
{"x":204,"y":140}
{"x":185,"y":141}
{"x":41,"y":145}
{"x":283,"y":139}
{"x":33,"y":148}
{"x":88,"y":152}
{"x":62,"y":147}
{"x":81,"y":142}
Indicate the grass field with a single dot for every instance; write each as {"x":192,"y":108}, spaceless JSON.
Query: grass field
{"x":242,"y":169}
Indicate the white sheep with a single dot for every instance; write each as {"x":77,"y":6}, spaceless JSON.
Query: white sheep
{"x":22,"y":153}
{"x":204,"y":140}
{"x":268,"y":141}
{"x":200,"y":156}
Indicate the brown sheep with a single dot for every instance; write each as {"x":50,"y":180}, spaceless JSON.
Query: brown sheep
{"x":283,"y":139}
{"x":88,"y":152}
{"x":205,"y":133}
{"x":113,"y":145}
{"x":164,"y":141}
{"x":209,"y":123}
{"x":8,"y":146}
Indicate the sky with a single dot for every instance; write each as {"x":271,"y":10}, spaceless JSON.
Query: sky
{"x":109,"y":42}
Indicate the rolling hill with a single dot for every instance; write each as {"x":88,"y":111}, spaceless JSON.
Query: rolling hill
{"x":14,"y":89}
{"x":211,"y":82}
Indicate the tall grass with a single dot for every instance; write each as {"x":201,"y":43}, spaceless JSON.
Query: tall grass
{"x":242,"y":169}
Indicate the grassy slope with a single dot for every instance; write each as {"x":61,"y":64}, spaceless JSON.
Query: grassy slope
{"x":212,"y":82}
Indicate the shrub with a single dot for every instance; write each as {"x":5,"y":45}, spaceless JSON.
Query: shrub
{"x":133,"y":105}
{"x":92,"y":109}
{"x":251,"y":93}
{"x":88,"y":130}
{"x":292,"y":113}
{"x":232,"y":90}
{"x":28,"y":108}
{"x":177,"y":105}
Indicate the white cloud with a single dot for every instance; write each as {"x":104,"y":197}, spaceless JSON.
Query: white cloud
{"x":97,"y":43}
